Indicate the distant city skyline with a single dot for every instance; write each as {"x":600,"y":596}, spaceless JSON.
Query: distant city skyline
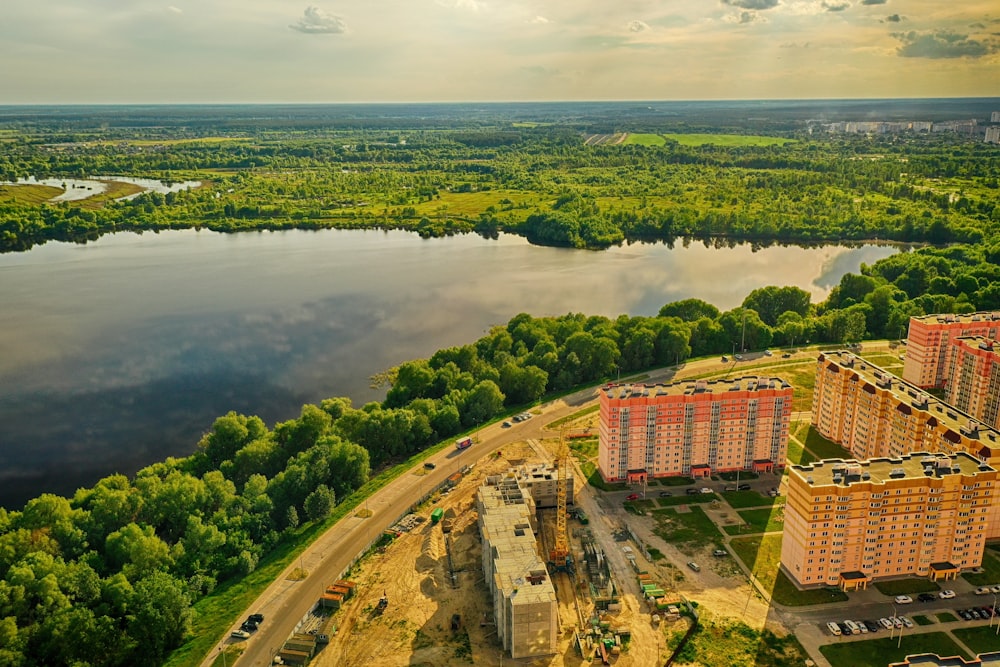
{"x":315,"y":51}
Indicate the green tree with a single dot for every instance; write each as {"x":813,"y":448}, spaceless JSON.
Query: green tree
{"x":319,"y":503}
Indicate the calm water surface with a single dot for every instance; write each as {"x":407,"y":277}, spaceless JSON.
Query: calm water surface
{"x":121,"y":352}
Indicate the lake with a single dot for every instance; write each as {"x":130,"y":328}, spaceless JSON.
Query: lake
{"x":121,"y":352}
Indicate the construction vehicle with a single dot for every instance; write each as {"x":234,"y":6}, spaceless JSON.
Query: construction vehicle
{"x":383,"y":602}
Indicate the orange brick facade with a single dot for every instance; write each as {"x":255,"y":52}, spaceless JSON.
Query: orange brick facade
{"x":974,"y":378}
{"x":693,"y":428}
{"x":848,"y":522}
{"x":927,"y":362}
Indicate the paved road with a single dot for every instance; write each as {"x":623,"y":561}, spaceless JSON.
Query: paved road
{"x":285,"y":602}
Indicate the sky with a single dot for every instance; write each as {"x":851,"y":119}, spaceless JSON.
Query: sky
{"x":288,"y":51}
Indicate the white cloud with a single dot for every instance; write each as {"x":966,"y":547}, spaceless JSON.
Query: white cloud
{"x":175,"y":10}
{"x":472,"y":5}
{"x":638,"y":26}
{"x":315,"y":21}
{"x":540,"y":20}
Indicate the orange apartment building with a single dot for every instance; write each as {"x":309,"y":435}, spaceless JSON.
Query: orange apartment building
{"x":873,"y":414}
{"x":848,"y":523}
{"x":974,"y":381}
{"x":693,"y":428}
{"x":928,"y":357}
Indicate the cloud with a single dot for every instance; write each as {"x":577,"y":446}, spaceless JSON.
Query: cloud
{"x":175,"y":10}
{"x":838,"y":6}
{"x":894,"y":18}
{"x":637,"y":26}
{"x":942,"y":44}
{"x":873,"y":2}
{"x":540,"y":20}
{"x":472,"y":5}
{"x":317,"y":22}
{"x":751,"y":4}
{"x":745,"y":18}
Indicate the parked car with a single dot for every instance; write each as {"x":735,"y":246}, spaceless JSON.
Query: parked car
{"x":705,"y":490}
{"x":964,"y":613}
{"x":995,"y":589}
{"x":720,"y":553}
{"x":885,"y":623}
{"x":665,"y":494}
{"x":240,"y":634}
{"x":834,"y":629}
{"x":773,"y":493}
{"x":429,"y":465}
{"x":249,"y":626}
{"x":743,"y":487}
{"x":632,"y":496}
{"x":256,"y":618}
{"x":506,"y":425}
{"x":786,"y":355}
{"x":844,"y":629}
{"x":853,"y":627}
{"x":729,"y":488}
{"x":946,"y":594}
{"x":927,"y":597}
{"x":896,"y":621}
{"x":903,"y":599}
{"x":983,"y":590}
{"x":694,"y":566}
{"x":691,"y":492}
{"x":907,"y":622}
{"x":725,"y":359}
{"x":872,"y":626}
{"x":738,"y":357}
{"x":767,"y":353}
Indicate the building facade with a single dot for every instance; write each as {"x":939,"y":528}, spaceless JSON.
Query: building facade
{"x":524,"y":600}
{"x":927,"y":362}
{"x":848,"y":523}
{"x":693,"y":428}
{"x":873,"y":414}
{"x":974,"y":380}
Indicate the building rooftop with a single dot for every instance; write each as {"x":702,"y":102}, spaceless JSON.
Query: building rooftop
{"x":980,"y":342}
{"x":947,"y":318}
{"x":917,"y":465}
{"x":991,"y":659}
{"x":692,"y":387}
{"x":912,"y":397}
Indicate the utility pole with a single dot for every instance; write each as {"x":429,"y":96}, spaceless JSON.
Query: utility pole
{"x":743,"y":336}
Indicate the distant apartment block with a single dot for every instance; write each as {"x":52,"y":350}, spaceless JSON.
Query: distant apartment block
{"x":992,"y":134}
{"x":995,"y":117}
{"x":693,"y":428}
{"x":848,"y":523}
{"x":927,"y":345}
{"x":974,"y":382}
{"x":524,"y":600}
{"x":873,"y":414}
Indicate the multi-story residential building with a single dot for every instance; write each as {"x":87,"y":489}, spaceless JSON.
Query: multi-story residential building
{"x":992,"y":135}
{"x":974,"y":378}
{"x":524,"y":600}
{"x":872,"y":413}
{"x":928,"y":342}
{"x":542,"y":482}
{"x":848,"y":523}
{"x":995,"y":117}
{"x":693,"y":428}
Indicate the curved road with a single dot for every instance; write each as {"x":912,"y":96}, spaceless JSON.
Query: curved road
{"x":285,"y":601}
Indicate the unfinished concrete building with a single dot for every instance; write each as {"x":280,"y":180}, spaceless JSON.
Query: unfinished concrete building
{"x":524,"y":601}
{"x":541,"y":480}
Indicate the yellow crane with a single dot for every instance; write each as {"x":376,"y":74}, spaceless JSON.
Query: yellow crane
{"x":559,"y":555}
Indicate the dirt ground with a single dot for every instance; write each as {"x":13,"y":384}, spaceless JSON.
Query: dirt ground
{"x":413,"y":573}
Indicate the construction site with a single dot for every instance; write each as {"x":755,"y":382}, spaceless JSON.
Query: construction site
{"x":507,"y":563}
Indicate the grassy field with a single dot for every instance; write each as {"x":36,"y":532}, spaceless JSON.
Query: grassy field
{"x":881,"y":652}
{"x":923,"y":620}
{"x":762,"y":553}
{"x":946,"y":617}
{"x":27,"y":194}
{"x":907,"y":586}
{"x":685,"y":499}
{"x":743,"y":499}
{"x":727,"y":140}
{"x":688,"y":531}
{"x":817,"y":444}
{"x":991,"y":569}
{"x":798,"y":455}
{"x":980,"y":640}
{"x":645,"y":139}
{"x":672,"y":481}
{"x":732,"y":643}
{"x":759,"y":521}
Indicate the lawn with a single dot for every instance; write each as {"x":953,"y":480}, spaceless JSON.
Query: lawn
{"x":991,"y":570}
{"x":946,"y":617}
{"x":797,"y":455}
{"x":691,"y":529}
{"x":645,"y":139}
{"x":743,"y":499}
{"x":907,"y":586}
{"x":762,"y":553}
{"x":759,"y":521}
{"x":727,"y":140}
{"x":27,"y":194}
{"x":685,"y":499}
{"x":923,"y":620}
{"x":980,"y":640}
{"x":881,"y":652}
{"x":818,"y":445}
{"x":733,"y":643}
{"x":595,"y":480}
{"x":673,"y":481}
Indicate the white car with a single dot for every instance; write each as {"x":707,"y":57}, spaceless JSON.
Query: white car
{"x":240,"y":634}
{"x":895,"y":621}
{"x":903,"y":599}
{"x":946,"y":594}
{"x":995,"y":589}
{"x":833,"y":628}
{"x":907,"y":622}
{"x":983,"y":590}
{"x":885,"y":623}
{"x":862,"y":628}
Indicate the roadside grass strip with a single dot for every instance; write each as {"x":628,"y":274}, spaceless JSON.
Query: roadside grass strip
{"x":881,"y":652}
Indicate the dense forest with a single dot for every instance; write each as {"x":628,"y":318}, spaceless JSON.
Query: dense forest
{"x":109,"y":576}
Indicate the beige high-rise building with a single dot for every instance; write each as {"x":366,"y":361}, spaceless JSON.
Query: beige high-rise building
{"x":848,"y":523}
{"x":524,"y":600}
{"x":974,"y":382}
{"x":873,"y":414}
{"x":693,"y":428}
